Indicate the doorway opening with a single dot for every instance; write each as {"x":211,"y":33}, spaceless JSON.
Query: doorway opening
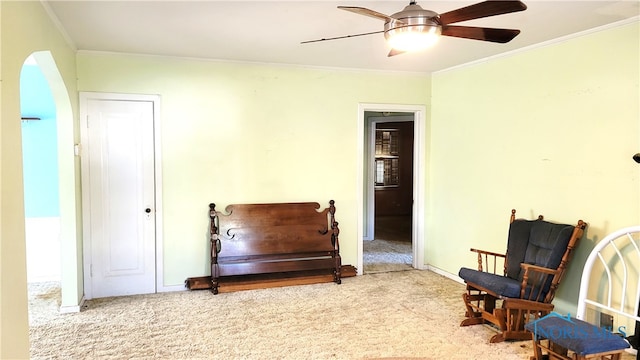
{"x":49,"y":181}
{"x":399,"y":215}
{"x":40,"y":175}
{"x":391,"y":138}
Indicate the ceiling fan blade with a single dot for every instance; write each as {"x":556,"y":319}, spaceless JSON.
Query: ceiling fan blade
{"x":395,"y":52}
{"x":480,"y":10}
{"x":341,"y":37}
{"x":366,"y":12}
{"x":480,"y":33}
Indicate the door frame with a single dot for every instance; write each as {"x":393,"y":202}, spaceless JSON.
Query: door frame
{"x":84,"y":163}
{"x":363,"y":188}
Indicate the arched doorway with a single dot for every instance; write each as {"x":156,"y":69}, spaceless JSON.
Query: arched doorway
{"x":40,"y":175}
{"x":70,"y":259}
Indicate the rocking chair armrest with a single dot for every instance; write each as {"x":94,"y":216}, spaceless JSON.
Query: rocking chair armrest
{"x":531,"y":267}
{"x":513,"y":303}
{"x":488,"y":255}
{"x":534,"y":278}
{"x":484,"y":252}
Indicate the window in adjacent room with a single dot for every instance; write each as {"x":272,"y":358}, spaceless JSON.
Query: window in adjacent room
{"x":387,"y":160}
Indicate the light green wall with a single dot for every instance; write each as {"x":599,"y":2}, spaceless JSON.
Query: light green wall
{"x":548,"y":131}
{"x":237,"y":133}
{"x":25,"y":28}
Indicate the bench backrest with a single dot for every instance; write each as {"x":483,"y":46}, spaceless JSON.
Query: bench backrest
{"x":278,"y":230}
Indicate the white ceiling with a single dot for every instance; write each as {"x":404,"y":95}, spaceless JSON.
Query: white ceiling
{"x":271,"y":31}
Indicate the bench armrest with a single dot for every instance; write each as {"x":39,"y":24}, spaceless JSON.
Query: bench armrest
{"x":488,"y":255}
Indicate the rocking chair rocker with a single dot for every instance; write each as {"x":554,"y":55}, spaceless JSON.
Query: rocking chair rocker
{"x":537,"y":256}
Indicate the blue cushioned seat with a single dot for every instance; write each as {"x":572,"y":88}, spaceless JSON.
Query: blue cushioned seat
{"x":576,"y":335}
{"x":498,"y":284}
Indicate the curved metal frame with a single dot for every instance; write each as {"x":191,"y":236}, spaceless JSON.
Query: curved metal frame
{"x":624,"y":237}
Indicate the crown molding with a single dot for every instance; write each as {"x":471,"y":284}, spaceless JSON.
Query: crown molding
{"x":543,"y":44}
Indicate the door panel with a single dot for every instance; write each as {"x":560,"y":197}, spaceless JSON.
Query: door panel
{"x":120,"y":154}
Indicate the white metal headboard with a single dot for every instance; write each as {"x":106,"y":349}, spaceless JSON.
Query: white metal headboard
{"x":622,"y":249}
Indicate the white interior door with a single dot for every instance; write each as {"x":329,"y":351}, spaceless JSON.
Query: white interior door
{"x":118,"y":179}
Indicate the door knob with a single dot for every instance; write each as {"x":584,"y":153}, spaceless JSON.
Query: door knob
{"x":147,"y":210}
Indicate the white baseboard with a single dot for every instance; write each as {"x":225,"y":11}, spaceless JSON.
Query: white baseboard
{"x":73,"y":308}
{"x":446,"y":274}
{"x":171,"y":288}
{"x":77,"y":308}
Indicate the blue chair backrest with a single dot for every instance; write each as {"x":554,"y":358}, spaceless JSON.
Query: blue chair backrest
{"x":536,"y":242}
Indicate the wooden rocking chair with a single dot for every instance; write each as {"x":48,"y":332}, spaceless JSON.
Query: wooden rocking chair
{"x":536,"y":259}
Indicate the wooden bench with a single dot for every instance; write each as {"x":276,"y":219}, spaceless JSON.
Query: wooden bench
{"x":291,"y":238}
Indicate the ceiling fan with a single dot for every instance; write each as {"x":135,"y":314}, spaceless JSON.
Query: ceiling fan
{"x":415,"y":28}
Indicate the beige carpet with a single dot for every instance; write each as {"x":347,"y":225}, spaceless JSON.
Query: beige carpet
{"x":391,"y":249}
{"x":386,"y":255}
{"x":408,"y":314}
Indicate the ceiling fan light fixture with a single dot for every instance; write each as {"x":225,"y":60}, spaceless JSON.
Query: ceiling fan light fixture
{"x":415,"y":28}
{"x":412,"y":29}
{"x":413,"y":38}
